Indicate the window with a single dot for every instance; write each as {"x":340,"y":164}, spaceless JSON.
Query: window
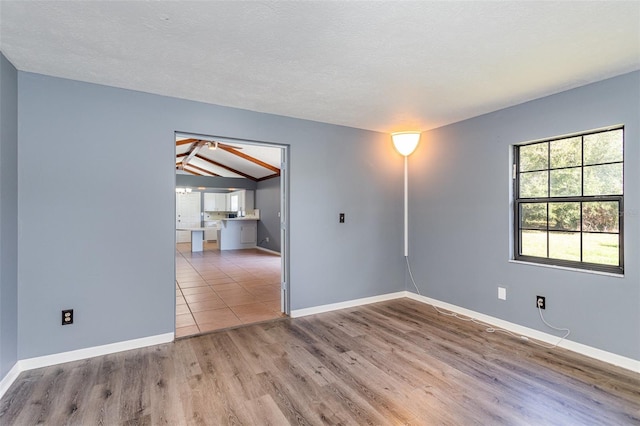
{"x":568,"y":201}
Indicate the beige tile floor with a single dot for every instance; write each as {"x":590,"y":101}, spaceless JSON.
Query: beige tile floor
{"x":220,"y":289}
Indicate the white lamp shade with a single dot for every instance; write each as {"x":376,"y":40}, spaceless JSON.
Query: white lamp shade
{"x":405,"y":142}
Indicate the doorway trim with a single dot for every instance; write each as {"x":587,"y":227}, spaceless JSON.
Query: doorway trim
{"x":285,"y":288}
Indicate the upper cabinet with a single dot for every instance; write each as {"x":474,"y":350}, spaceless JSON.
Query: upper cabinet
{"x":215,"y":202}
{"x":241,"y":200}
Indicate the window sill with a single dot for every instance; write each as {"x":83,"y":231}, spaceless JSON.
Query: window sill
{"x":566,"y":268}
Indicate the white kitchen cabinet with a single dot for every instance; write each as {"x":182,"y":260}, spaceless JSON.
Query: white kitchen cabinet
{"x":221,"y":203}
{"x":209,"y":202}
{"x":215,"y":202}
{"x":237,"y":234}
{"x":248,"y":233}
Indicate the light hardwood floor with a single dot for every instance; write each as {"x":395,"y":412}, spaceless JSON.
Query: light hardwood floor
{"x":395,"y":362}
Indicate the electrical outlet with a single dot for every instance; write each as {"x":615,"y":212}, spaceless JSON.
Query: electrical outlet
{"x":540,"y":302}
{"x":341,"y":217}
{"x":67,"y":316}
{"x":266,"y":239}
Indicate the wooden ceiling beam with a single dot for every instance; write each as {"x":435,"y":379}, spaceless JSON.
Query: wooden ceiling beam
{"x":179,"y":167}
{"x":215,"y":163}
{"x":254,"y":160}
{"x":208,"y":172}
{"x":269,"y":177}
{"x":186,"y":141}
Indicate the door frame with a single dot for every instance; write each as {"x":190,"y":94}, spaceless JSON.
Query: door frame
{"x":285,"y":284}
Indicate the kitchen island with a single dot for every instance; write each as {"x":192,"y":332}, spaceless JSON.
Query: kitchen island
{"x":197,"y":236}
{"x":238,"y":233}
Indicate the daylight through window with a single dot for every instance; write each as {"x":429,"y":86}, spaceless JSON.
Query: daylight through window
{"x":569,"y":201}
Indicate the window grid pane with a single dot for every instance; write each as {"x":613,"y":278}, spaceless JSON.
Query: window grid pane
{"x":571,"y":201}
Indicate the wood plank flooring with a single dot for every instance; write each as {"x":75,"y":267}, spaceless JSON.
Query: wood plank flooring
{"x":395,"y":362}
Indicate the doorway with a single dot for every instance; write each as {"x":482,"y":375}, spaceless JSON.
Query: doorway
{"x":240,"y":276}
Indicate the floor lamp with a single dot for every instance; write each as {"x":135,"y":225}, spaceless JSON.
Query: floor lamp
{"x":406,"y":143}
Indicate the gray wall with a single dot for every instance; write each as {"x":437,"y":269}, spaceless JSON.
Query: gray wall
{"x":96,"y":161}
{"x":460,"y":218}
{"x":8,"y":216}
{"x":268,"y":201}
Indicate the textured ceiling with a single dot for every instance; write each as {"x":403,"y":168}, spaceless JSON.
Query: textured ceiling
{"x":382,"y":66}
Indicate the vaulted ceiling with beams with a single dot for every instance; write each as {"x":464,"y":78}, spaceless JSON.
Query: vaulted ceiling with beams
{"x":202,"y":157}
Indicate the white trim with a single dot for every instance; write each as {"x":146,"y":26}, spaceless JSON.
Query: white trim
{"x":572,"y":134}
{"x":62,"y":357}
{"x":599,"y":354}
{"x":567,"y":268}
{"x":47,"y":360}
{"x":348,"y":304}
{"x":268,"y":250}
{"x":8,"y":380}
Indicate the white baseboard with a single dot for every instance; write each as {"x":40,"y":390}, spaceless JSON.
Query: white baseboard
{"x":47,"y":360}
{"x":348,"y":304}
{"x":599,"y":354}
{"x":59,"y":358}
{"x":268,"y":250}
{"x":8,"y":380}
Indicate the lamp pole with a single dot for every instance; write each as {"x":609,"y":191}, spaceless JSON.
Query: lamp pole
{"x":406,"y":143}
{"x":406,"y":206}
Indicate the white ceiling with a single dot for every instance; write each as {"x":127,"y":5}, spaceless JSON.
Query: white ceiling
{"x":385,"y":66}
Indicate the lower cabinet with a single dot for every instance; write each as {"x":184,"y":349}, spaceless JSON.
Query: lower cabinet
{"x":238,"y":234}
{"x":248,"y":233}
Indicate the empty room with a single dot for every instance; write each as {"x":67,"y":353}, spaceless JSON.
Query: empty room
{"x":452,"y":211}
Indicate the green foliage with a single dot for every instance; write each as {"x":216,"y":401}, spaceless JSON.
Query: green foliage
{"x":564,"y":176}
{"x":601,"y":216}
{"x":534,"y":185}
{"x":605,"y":179}
{"x":566,"y":152}
{"x":604,"y":147}
{"x":533,"y":215}
{"x":596,"y":248}
{"x":534,"y":157}
{"x":564,"y":216}
{"x":566,"y":182}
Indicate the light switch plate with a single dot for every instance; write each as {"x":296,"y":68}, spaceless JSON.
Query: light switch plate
{"x":502,"y":293}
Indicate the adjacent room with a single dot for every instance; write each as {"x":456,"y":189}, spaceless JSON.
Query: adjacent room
{"x":272,"y":212}
{"x":229,"y":203}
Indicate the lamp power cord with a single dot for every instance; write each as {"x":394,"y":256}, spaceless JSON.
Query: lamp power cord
{"x":489,"y":328}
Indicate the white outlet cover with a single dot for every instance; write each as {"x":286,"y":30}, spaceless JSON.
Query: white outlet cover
{"x":502,"y":293}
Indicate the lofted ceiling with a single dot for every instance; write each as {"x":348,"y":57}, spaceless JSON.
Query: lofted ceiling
{"x":378,"y":65}
{"x":211,"y":157}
